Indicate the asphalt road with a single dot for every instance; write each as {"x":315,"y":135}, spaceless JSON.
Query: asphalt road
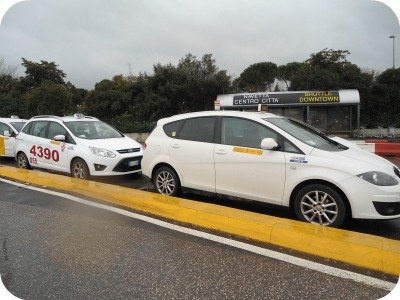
{"x":385,"y":228}
{"x":54,"y":248}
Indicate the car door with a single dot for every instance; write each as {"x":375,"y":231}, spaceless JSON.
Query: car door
{"x":34,"y":143}
{"x":6,"y":141}
{"x":242,"y":168}
{"x":192,"y":153}
{"x":56,"y":153}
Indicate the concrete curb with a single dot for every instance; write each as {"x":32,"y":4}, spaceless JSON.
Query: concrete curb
{"x":363,"y":250}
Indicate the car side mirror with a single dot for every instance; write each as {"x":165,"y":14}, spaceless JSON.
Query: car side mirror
{"x":7,"y":133}
{"x":60,"y":138}
{"x":268,"y":144}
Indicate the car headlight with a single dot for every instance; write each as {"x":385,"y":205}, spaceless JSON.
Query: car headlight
{"x":378,"y":178}
{"x":102,"y":152}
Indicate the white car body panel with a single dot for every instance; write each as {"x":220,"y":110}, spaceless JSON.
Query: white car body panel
{"x":235,"y":174}
{"x":80,"y":149}
{"x":195,"y":161}
{"x":7,"y":143}
{"x":273,"y":176}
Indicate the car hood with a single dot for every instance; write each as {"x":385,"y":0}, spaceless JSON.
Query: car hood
{"x":112,"y":144}
{"x":355,"y":161}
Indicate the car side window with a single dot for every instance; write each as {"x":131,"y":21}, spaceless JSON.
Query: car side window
{"x":171,"y":129}
{"x":199,"y":129}
{"x":5,"y":127}
{"x":57,"y":129}
{"x":27,"y":128}
{"x":39,"y":129}
{"x":245,"y":133}
{"x":289,"y":147}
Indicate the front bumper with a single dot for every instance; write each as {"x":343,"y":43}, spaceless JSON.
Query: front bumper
{"x":369,"y":201}
{"x":120,"y":165}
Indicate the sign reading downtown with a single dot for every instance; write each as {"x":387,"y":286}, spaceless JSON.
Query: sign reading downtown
{"x":305,"y":98}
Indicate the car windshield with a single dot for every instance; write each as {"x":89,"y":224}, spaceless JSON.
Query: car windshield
{"x":92,"y":130}
{"x":18,"y":125}
{"x":306,"y":134}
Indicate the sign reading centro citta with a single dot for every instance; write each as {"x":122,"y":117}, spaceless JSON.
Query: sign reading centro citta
{"x":286,"y":98}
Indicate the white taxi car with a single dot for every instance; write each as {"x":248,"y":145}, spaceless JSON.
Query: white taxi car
{"x":269,"y":158}
{"x":80,"y":145}
{"x":9,"y":128}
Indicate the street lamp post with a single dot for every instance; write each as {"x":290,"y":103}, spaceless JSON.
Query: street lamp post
{"x":392,"y":37}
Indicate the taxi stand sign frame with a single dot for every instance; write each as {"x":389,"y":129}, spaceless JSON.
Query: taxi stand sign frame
{"x":291,"y":99}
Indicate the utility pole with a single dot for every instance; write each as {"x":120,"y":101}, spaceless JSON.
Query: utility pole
{"x":393,"y":37}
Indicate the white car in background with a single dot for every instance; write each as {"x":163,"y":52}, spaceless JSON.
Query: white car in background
{"x":9,"y":128}
{"x":80,"y":145}
{"x":273,"y":159}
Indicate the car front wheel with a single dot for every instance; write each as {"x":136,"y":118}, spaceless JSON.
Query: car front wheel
{"x":320,"y":204}
{"x":79,"y":169}
{"x":166,"y":182}
{"x":22,"y":161}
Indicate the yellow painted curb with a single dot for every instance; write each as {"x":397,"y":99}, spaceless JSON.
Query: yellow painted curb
{"x":363,"y":250}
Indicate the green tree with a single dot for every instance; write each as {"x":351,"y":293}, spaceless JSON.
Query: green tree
{"x":329,"y":69}
{"x":110,"y":98}
{"x":50,"y":99}
{"x":36,"y":73}
{"x":258,"y":77}
{"x":10,"y":98}
{"x":192,"y":85}
{"x":384,"y":105}
{"x":286,"y":72}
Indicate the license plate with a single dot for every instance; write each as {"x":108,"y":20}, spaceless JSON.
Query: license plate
{"x":133,"y":163}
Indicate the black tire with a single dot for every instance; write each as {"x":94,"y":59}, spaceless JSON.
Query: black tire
{"x":79,"y":169}
{"x":22,"y":161}
{"x":320,"y":204}
{"x":166,"y":182}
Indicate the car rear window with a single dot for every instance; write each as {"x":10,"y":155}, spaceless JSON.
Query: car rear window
{"x":171,"y":129}
{"x":198,"y":129}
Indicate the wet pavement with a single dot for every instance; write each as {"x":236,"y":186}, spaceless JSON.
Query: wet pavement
{"x":54,"y":248}
{"x":385,"y":228}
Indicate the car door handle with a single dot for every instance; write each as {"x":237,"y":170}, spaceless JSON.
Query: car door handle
{"x":222,"y":151}
{"x":175,"y":146}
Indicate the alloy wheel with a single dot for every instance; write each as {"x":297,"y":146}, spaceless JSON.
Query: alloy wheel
{"x":78,"y":170}
{"x":319,"y":207}
{"x":165,"y":183}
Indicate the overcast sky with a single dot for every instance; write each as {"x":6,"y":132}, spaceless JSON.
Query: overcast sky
{"x":96,"y":39}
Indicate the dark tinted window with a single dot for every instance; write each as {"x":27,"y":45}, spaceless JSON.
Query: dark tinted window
{"x":289,"y":147}
{"x":246,"y":133}
{"x":171,"y":129}
{"x":92,"y":130}
{"x":57,"y":129}
{"x":39,"y":129}
{"x":307,"y":134}
{"x":18,"y":125}
{"x":5,"y":127}
{"x":198,"y":129}
{"x":27,"y":128}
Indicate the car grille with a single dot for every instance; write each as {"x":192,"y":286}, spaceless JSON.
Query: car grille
{"x":123,"y":165}
{"x":131,"y":150}
{"x":397,"y":171}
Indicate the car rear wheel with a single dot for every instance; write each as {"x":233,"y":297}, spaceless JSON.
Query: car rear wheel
{"x":79,"y":169}
{"x":320,"y":204}
{"x":166,"y":182}
{"x":22,"y":161}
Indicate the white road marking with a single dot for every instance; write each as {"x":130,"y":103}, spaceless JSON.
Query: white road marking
{"x":371,"y":281}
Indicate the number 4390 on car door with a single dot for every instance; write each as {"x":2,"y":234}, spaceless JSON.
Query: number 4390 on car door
{"x":43,"y":153}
